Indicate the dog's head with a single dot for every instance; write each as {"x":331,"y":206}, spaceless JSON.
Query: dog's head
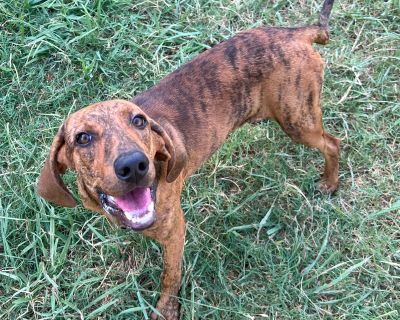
{"x":117,"y":151}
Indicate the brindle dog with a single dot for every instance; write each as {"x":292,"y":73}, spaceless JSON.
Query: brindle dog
{"x":132,"y":157}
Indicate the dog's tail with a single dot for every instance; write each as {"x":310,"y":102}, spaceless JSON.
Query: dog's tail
{"x":324,"y":15}
{"x":320,"y":32}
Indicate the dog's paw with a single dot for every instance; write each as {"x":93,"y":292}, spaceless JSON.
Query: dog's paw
{"x":327,"y":187}
{"x":169,"y":310}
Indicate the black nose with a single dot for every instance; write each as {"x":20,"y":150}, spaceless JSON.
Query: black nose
{"x":131,"y":167}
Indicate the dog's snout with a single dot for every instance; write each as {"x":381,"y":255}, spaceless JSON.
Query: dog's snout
{"x":131,"y":167}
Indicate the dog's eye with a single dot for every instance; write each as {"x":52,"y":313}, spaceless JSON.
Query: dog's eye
{"x":83,"y":138}
{"x":139,"y":121}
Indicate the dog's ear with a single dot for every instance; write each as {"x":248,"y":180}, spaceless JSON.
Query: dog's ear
{"x":172,"y":150}
{"x":50,"y":185}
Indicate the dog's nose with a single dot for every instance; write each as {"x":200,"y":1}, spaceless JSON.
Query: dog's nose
{"x":131,"y":167}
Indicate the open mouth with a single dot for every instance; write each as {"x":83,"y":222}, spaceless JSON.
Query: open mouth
{"x":134,"y":209}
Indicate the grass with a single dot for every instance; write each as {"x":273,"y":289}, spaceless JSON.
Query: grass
{"x":261,"y":241}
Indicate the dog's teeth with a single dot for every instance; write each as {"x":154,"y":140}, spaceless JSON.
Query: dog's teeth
{"x":107,"y":202}
{"x":143,"y":219}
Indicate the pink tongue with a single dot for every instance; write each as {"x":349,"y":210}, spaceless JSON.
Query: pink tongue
{"x":135,"y":201}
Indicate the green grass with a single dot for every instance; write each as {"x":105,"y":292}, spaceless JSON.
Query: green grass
{"x":261,"y":241}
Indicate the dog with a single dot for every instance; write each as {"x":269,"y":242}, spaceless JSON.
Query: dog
{"x":132,"y":157}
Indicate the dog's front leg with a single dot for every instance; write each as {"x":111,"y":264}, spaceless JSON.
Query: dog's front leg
{"x":173,"y":242}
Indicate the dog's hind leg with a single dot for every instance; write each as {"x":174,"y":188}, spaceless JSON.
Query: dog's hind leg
{"x":298,"y":112}
{"x":306,"y":128}
{"x":329,"y":147}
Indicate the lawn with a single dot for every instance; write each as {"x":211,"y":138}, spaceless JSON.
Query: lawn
{"x":262,"y":242}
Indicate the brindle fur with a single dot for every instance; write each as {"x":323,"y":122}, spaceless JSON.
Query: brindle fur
{"x":264,"y":73}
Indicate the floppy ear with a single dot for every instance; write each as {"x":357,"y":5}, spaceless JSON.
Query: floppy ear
{"x":172,"y":150}
{"x":50,"y":185}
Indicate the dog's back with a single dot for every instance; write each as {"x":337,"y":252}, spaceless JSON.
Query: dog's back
{"x":257,"y":74}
